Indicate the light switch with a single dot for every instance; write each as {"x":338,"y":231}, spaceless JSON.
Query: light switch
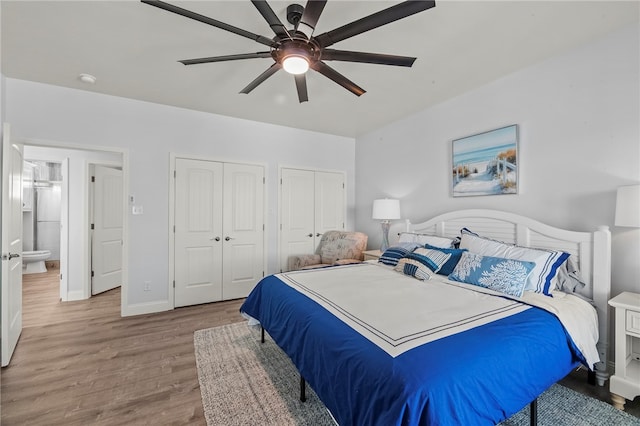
{"x":137,"y":210}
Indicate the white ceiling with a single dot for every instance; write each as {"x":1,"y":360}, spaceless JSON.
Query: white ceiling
{"x":133,"y":48}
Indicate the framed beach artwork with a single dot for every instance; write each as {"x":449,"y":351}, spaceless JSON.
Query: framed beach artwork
{"x":486,"y":163}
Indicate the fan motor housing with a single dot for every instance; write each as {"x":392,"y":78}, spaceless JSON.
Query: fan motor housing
{"x":294,"y":13}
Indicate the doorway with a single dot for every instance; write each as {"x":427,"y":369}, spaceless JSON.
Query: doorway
{"x":76,"y":256}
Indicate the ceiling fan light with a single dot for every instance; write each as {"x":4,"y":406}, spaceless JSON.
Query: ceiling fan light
{"x":295,"y":64}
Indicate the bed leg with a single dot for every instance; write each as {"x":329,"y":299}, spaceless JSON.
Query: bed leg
{"x":262,"y":334}
{"x":533,"y":412}
{"x":303,"y":389}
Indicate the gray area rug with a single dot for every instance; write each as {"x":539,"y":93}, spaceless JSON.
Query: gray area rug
{"x":244,"y":382}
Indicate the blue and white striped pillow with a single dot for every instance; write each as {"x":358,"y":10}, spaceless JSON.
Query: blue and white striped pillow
{"x":433,"y":259}
{"x":414,"y":268}
{"x":392,"y":255}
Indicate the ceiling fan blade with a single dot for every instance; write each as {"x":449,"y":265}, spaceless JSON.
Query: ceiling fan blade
{"x":262,"y":77}
{"x":369,"y":58}
{"x":334,"y":75}
{"x":210,"y":21}
{"x":310,"y":16}
{"x":226,"y":58}
{"x":269,"y":15}
{"x":301,"y":85}
{"x":378,"y":19}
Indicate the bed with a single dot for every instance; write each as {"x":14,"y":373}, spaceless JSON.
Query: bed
{"x":379,"y":346}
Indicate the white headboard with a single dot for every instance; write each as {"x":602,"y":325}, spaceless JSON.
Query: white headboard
{"x":591,"y":250}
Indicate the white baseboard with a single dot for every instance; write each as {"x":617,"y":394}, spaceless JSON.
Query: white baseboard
{"x":146,"y":308}
{"x":75,"y":295}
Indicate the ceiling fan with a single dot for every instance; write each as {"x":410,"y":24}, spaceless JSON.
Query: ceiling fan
{"x":297,"y":49}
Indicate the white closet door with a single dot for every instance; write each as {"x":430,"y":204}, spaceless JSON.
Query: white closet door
{"x":106,"y":244}
{"x":329,"y":202}
{"x":198,"y":232}
{"x":297,"y":210}
{"x":243,"y":219}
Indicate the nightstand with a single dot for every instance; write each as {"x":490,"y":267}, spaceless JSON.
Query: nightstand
{"x":371,"y":254}
{"x":625,"y":383}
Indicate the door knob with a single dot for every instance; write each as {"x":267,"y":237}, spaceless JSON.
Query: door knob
{"x":216,"y":239}
{"x":310,"y":235}
{"x":318,"y":234}
{"x":228,"y":238}
{"x":12,"y":255}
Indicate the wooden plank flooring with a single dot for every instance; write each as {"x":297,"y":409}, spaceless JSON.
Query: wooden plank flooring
{"x":80,"y":363}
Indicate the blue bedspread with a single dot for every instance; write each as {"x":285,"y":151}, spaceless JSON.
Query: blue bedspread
{"x":478,"y":377}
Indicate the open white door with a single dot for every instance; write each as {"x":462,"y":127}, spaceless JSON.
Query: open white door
{"x":11,"y":245}
{"x":106,"y":246}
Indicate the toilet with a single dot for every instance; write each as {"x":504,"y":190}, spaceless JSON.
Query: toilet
{"x":33,"y":261}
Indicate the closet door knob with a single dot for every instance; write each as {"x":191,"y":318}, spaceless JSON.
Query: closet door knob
{"x":318,"y":234}
{"x":228,"y":238}
{"x":310,"y":235}
{"x":216,"y":238}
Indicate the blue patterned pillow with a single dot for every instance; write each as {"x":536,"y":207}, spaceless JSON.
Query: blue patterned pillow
{"x":450,"y":264}
{"x":392,"y":255}
{"x":433,"y":259}
{"x":508,"y":276}
{"x":543,"y":277}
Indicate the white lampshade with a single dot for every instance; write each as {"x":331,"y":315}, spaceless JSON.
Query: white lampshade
{"x":628,"y":206}
{"x":386,"y":209}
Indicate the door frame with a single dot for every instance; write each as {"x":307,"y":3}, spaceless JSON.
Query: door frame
{"x":308,"y":169}
{"x":172,"y":219}
{"x":124,"y":154}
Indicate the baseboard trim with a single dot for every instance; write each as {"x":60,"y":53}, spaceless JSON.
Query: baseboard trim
{"x":72,"y":296}
{"x":146,"y":308}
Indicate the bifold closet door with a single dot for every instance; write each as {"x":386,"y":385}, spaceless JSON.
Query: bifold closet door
{"x":198,"y":232}
{"x":297,"y":210}
{"x":329,"y":203}
{"x":311,"y":203}
{"x":243,"y":223}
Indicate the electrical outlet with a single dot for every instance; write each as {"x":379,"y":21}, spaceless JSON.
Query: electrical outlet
{"x":147,"y":286}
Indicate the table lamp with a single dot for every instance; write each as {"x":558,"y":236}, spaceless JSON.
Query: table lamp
{"x":386,"y":210}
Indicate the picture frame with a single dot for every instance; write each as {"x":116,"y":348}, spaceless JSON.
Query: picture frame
{"x":485,"y":163}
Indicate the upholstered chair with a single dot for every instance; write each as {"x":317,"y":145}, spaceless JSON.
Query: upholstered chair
{"x":335,"y":248}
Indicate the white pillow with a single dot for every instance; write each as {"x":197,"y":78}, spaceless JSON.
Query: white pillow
{"x":422,"y":239}
{"x":542,"y":278}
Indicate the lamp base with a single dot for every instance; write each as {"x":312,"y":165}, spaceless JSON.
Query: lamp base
{"x":385,"y":235}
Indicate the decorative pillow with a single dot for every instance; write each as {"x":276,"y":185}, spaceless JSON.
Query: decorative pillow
{"x":422,"y":239}
{"x":392,"y":255}
{"x":414,"y":268}
{"x":570,"y":282}
{"x":433,"y":259}
{"x":543,"y":277}
{"x":450,"y":264}
{"x":508,"y":276}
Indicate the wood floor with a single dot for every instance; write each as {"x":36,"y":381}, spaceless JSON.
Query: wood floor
{"x":80,"y":363}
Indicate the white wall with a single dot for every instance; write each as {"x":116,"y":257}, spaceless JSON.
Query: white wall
{"x":578,"y":115}
{"x":150,"y":132}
